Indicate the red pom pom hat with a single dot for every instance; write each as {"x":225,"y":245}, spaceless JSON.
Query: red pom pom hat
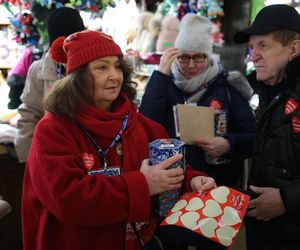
{"x":82,"y":48}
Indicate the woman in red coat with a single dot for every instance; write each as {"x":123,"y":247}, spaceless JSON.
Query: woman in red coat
{"x":88,"y":183}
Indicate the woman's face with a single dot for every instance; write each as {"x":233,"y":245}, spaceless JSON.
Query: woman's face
{"x":192,"y":63}
{"x":108,"y":79}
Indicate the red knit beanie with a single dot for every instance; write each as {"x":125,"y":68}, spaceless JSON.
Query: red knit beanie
{"x":82,"y":48}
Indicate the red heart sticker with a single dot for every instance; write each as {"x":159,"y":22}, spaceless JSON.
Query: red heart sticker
{"x":290,"y":106}
{"x":296,"y":124}
{"x":88,"y":160}
{"x":215,"y":104}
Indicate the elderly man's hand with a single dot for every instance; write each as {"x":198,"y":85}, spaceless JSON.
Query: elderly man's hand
{"x":268,"y":205}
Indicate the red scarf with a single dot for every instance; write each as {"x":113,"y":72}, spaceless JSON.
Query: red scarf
{"x":106,"y":125}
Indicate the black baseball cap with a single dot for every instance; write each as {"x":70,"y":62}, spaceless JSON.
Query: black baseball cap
{"x":271,"y":18}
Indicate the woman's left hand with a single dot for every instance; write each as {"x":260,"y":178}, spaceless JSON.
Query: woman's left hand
{"x":202,"y":183}
{"x":214,"y":146}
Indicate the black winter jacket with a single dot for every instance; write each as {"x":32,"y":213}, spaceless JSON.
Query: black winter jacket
{"x":161,"y":95}
{"x":276,"y":157}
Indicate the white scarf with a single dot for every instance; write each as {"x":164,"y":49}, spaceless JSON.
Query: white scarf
{"x":193,"y":85}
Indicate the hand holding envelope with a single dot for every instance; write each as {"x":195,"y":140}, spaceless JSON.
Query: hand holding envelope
{"x":193,"y":122}
{"x":214,"y":146}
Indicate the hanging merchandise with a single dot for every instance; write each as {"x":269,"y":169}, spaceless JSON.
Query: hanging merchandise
{"x":214,"y":9}
{"x":120,"y":20}
{"x":25,"y":32}
{"x":87,"y":5}
{"x":168,"y":32}
{"x":22,"y":4}
{"x":7,"y":7}
{"x":169,"y":7}
{"x":216,"y":35}
{"x":201,"y":5}
{"x":209,"y":8}
{"x":182,"y":9}
{"x":41,"y":10}
{"x":144,"y":41}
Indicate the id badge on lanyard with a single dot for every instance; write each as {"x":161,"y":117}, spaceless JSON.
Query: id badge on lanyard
{"x":111,"y":171}
{"x":106,"y":171}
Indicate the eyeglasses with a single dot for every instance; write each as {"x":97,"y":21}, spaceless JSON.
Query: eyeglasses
{"x":198,"y":58}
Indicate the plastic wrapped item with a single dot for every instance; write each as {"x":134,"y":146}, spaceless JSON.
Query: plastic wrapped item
{"x":216,"y":214}
{"x":220,"y":125}
{"x":160,"y":150}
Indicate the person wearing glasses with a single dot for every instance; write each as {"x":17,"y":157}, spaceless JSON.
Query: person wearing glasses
{"x":189,"y":74}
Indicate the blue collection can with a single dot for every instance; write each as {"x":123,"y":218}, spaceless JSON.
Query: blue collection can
{"x":160,"y":150}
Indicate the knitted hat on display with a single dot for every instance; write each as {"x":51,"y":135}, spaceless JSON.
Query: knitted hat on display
{"x":270,"y":18}
{"x":194,"y":34}
{"x":82,"y":48}
{"x":63,"y":22}
{"x":168,"y":33}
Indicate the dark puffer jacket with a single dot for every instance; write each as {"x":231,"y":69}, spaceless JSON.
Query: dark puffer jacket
{"x":276,"y":157}
{"x":162,"y":94}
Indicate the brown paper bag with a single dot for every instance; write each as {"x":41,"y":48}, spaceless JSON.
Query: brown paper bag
{"x":193,"y":121}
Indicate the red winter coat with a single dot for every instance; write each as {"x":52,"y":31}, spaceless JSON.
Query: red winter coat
{"x":65,"y":208}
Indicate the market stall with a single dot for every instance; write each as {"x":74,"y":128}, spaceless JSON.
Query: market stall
{"x":143,"y":29}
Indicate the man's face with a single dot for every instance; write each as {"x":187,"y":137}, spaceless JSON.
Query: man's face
{"x":270,"y":58}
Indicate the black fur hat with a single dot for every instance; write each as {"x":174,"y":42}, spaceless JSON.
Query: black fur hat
{"x":63,"y":22}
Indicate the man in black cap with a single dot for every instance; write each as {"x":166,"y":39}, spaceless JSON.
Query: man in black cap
{"x":273,"y":218}
{"x":41,"y":75}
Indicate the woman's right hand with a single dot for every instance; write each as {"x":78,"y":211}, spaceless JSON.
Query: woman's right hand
{"x":167,"y":59}
{"x":160,"y":178}
{"x":214,"y":146}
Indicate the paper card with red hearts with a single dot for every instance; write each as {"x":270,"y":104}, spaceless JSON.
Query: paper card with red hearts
{"x":216,"y":214}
